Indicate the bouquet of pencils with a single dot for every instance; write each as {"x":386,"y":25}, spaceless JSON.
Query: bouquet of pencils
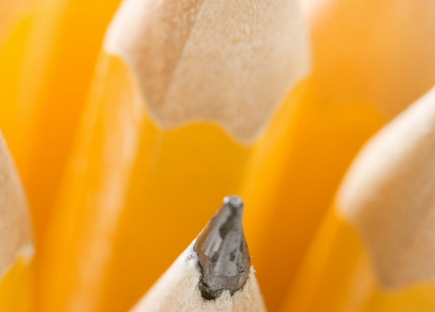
{"x":154,"y":152}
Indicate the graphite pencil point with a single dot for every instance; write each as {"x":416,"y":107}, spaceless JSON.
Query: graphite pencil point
{"x":222,"y":251}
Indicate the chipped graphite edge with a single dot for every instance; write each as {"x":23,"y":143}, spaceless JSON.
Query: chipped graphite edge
{"x":222,"y":237}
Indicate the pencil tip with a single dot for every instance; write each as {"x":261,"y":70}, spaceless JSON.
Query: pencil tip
{"x":222,"y":251}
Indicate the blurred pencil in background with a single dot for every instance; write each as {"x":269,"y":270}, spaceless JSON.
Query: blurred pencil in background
{"x":16,"y":248}
{"x":374,"y":251}
{"x":182,"y":91}
{"x":370,"y":60}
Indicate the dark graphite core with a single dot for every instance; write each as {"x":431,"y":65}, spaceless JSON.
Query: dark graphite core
{"x":222,"y":251}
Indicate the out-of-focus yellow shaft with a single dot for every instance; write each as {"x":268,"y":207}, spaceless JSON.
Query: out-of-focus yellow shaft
{"x":293,"y":173}
{"x":57,"y":67}
{"x":16,"y":17}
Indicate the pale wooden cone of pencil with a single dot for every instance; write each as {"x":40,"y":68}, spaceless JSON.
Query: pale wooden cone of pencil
{"x":375,"y":250}
{"x":212,"y":274}
{"x":16,"y":248}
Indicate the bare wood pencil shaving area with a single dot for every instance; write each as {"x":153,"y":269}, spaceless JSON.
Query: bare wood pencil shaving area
{"x":15,"y":231}
{"x":177,"y":290}
{"x":229,"y":61}
{"x":389,"y":196}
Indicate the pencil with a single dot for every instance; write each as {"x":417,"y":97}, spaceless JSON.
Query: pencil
{"x":182,"y":92}
{"x":212,"y":274}
{"x":371,"y":59}
{"x":16,"y":248}
{"x":375,"y":251}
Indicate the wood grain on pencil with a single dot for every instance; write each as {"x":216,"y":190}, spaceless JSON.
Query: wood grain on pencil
{"x":177,"y":290}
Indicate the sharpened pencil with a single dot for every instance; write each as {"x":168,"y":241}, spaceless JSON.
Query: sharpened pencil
{"x":212,"y":274}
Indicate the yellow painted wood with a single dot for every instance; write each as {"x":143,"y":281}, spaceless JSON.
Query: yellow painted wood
{"x":58,"y":61}
{"x":14,"y":33}
{"x":294,"y":172}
